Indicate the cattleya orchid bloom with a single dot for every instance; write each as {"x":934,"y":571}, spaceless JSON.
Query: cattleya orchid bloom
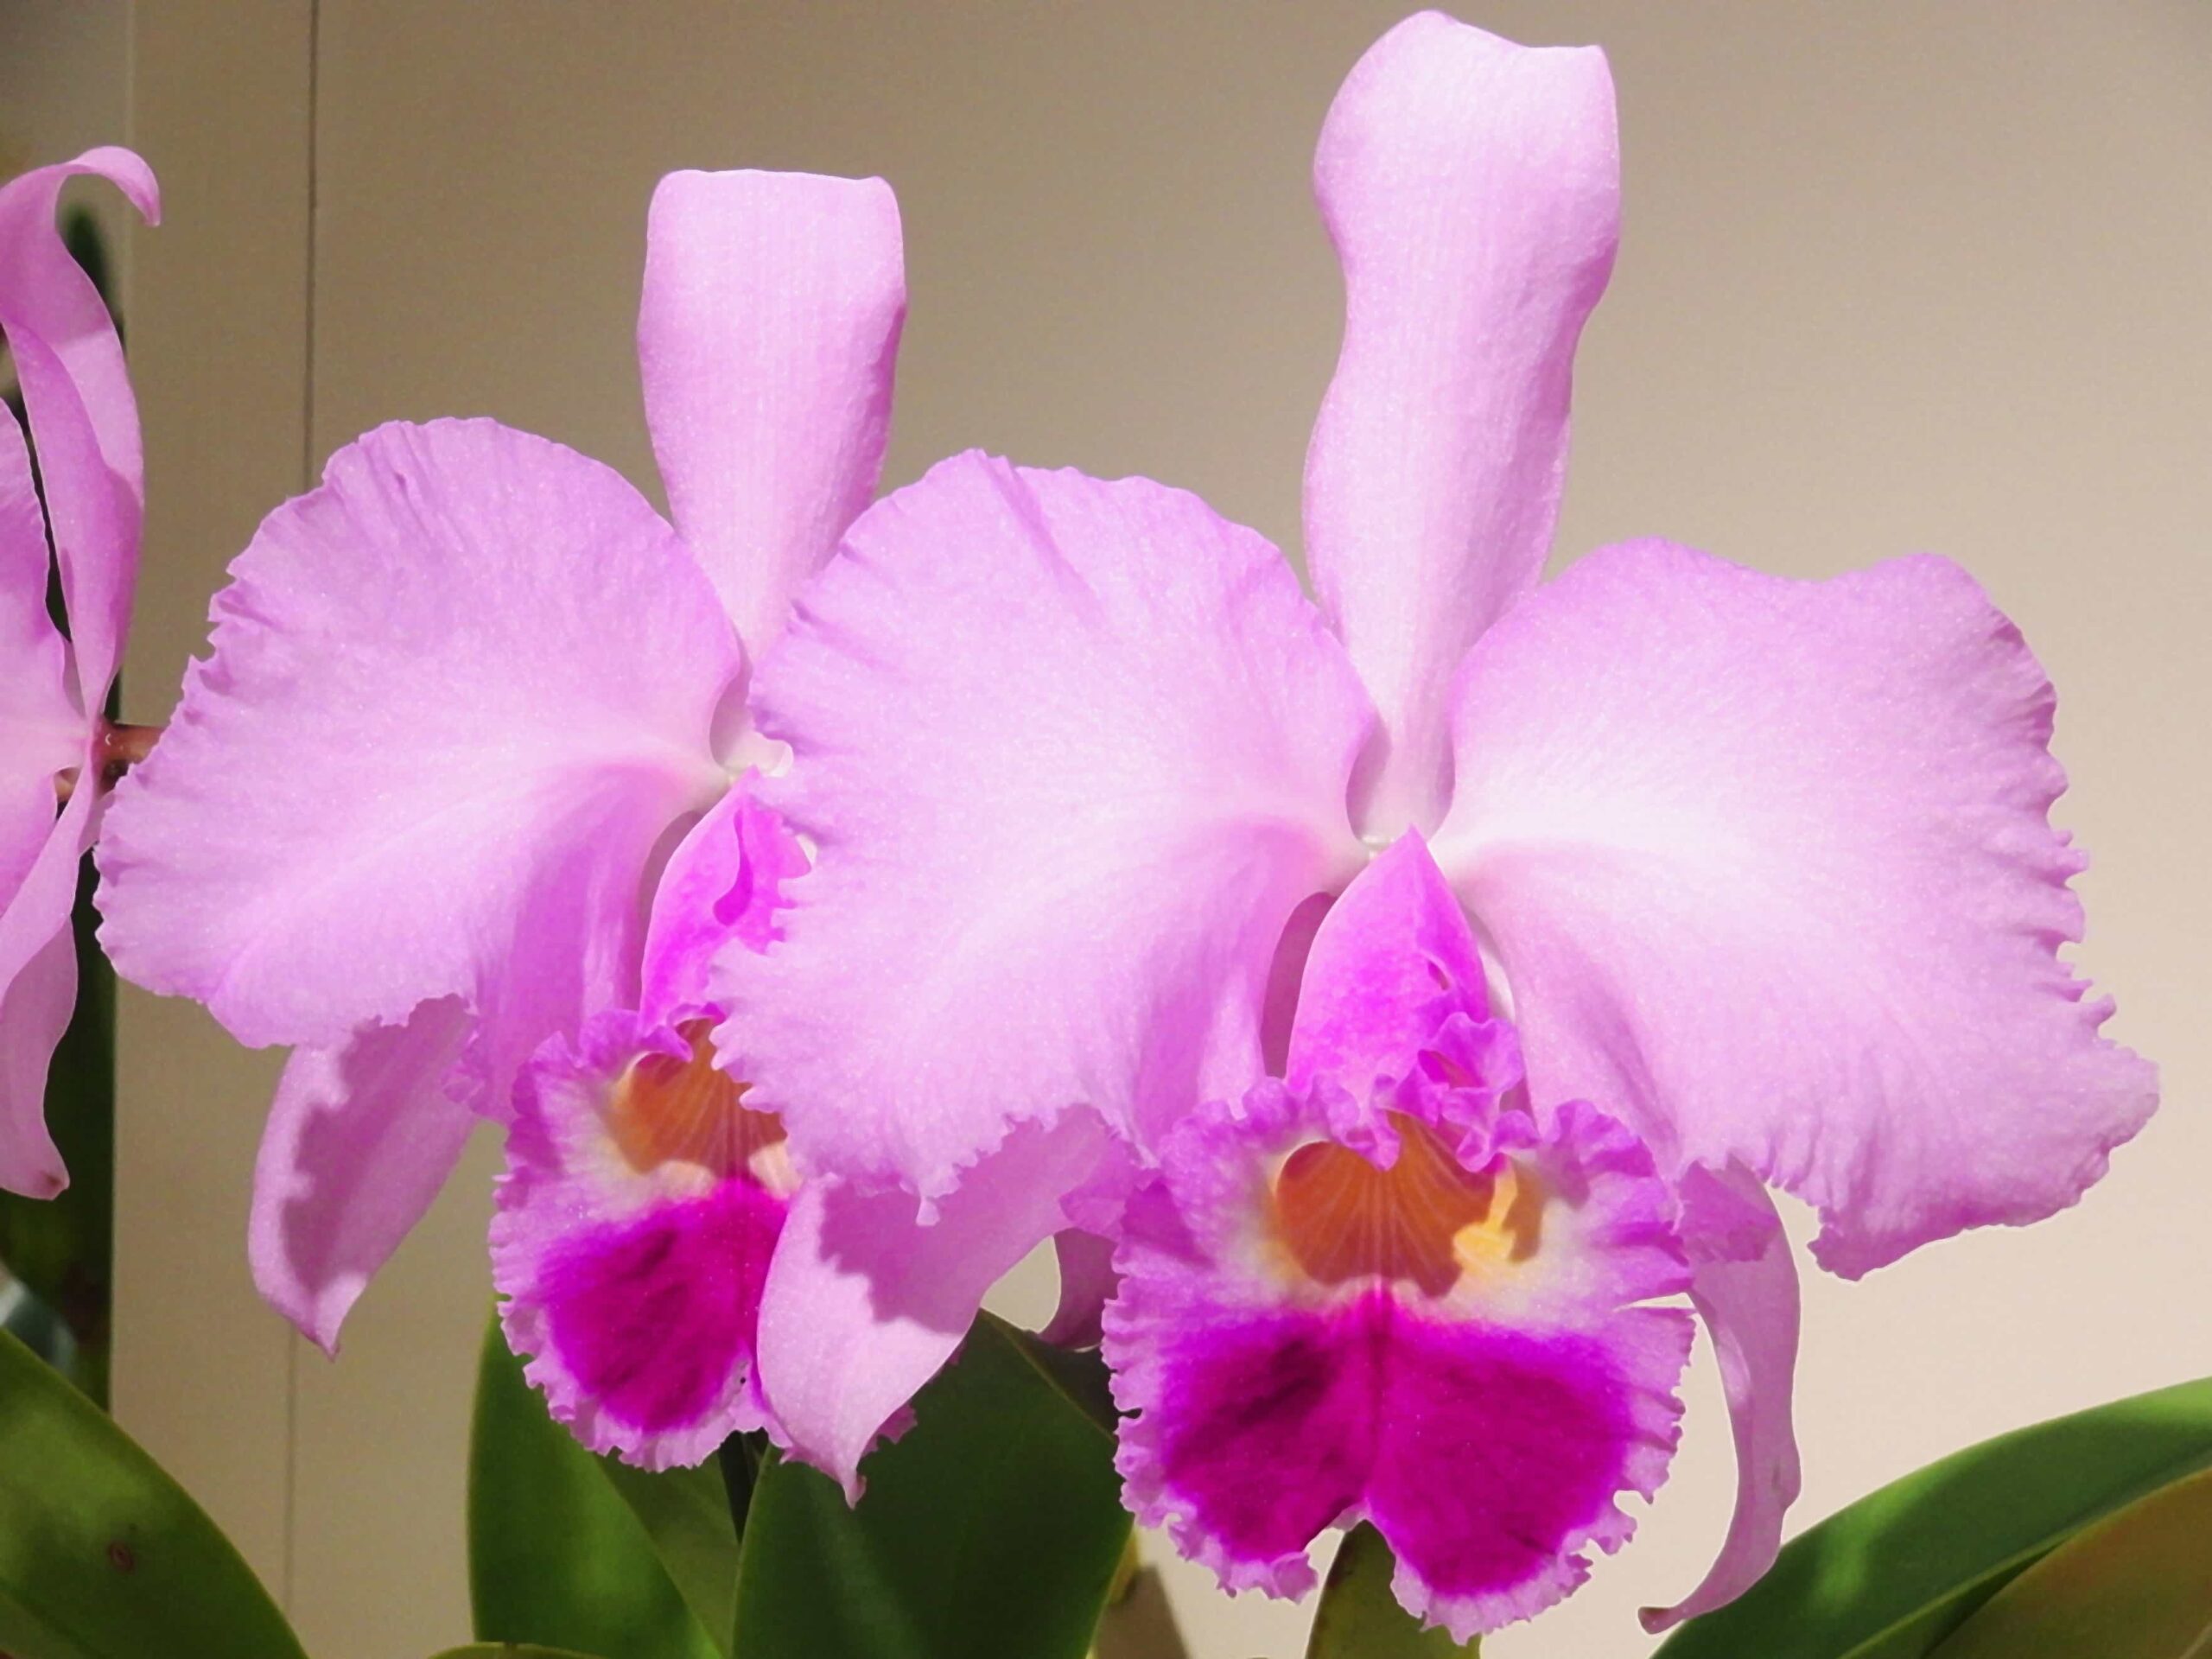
{"x":1604,"y":905}
{"x":463,"y":797}
{"x":54,"y":691}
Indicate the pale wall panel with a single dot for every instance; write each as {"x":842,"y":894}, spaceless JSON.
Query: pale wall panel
{"x":218,"y":350}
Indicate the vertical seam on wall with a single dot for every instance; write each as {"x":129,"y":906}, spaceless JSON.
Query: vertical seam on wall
{"x":137,"y":228}
{"x":306,"y":481}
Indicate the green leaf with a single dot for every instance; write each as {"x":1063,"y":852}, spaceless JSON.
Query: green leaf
{"x":1359,"y":1618}
{"x":509,"y":1650}
{"x":2137,"y":1585}
{"x":1898,"y":1571}
{"x":992,"y":1530}
{"x":686,"y":1513}
{"x":102,"y":1555}
{"x":555,"y":1554}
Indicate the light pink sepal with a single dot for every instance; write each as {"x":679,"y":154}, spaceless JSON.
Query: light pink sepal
{"x":359,"y":1143}
{"x":766,"y":341}
{"x":1744,"y":1285}
{"x":1471,"y":188}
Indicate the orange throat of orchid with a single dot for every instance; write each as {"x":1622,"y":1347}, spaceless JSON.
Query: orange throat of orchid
{"x":668,"y":1111}
{"x":1425,"y":1220}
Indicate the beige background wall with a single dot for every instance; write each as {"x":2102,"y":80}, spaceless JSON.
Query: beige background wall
{"x":1895,"y":276}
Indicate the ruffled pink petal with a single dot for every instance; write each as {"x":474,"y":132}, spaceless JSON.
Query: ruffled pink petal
{"x":77,"y":395}
{"x":767,"y":338}
{"x":633,"y":1282}
{"x":725,"y":881}
{"x":458,"y":697}
{"x":359,"y":1143}
{"x":865,"y":1302}
{"x":1768,"y":868}
{"x":1746,"y":1293}
{"x":1070,"y":752}
{"x":1472,"y":188}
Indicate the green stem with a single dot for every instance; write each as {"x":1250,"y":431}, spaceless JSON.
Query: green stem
{"x":740,"y":1459}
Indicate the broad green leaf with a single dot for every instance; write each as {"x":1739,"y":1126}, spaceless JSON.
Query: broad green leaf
{"x":102,"y":1555}
{"x":510,"y":1650}
{"x":686,"y":1514}
{"x":556,"y":1555}
{"x":1359,"y":1618}
{"x":1898,"y":1571}
{"x":992,"y":1530}
{"x":2137,"y":1585}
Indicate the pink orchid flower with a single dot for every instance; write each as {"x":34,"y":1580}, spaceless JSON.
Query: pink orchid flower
{"x":53,"y":692}
{"x":1655,"y":886}
{"x":462,"y":799}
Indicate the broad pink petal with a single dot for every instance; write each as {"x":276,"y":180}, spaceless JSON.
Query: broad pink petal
{"x":1749,"y":1304}
{"x":865,"y":1303}
{"x":77,"y":395}
{"x":458,"y":697}
{"x":1070,"y":752}
{"x":766,"y":339}
{"x":360,"y":1141}
{"x":1767,"y":869}
{"x":725,"y":881}
{"x":1472,"y":188}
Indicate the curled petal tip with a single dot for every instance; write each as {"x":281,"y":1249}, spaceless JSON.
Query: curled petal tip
{"x":126,"y":169}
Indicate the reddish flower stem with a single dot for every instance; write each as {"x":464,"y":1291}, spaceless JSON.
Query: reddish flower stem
{"x":121,"y":747}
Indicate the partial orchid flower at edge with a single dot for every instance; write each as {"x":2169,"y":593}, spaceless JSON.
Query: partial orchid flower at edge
{"x":1759,"y":870}
{"x":462,"y":793}
{"x":55,"y":740}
